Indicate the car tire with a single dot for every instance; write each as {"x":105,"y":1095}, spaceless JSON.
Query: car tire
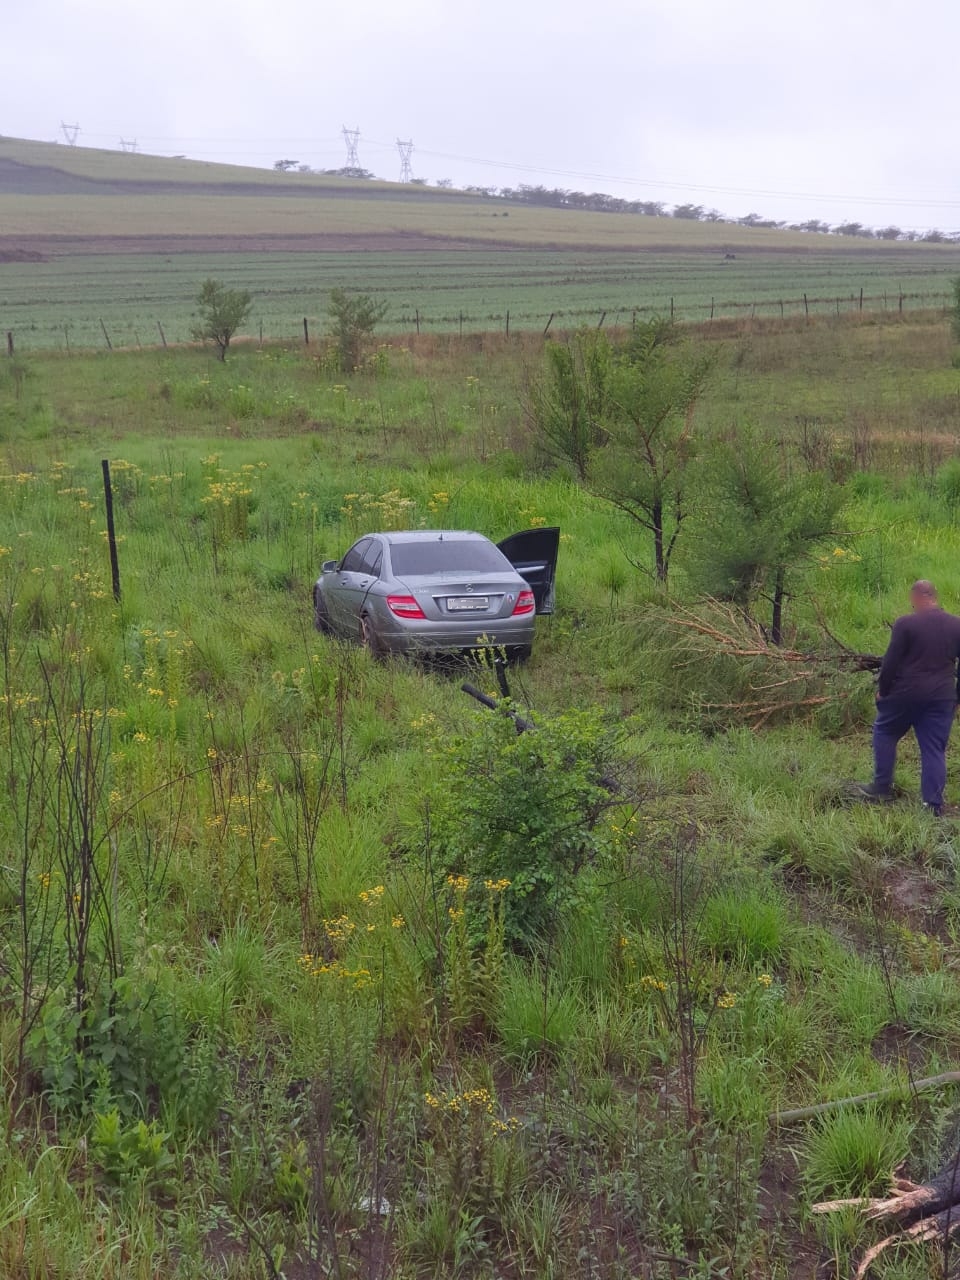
{"x":368,"y":637}
{"x":321,"y":618}
{"x":518,"y":654}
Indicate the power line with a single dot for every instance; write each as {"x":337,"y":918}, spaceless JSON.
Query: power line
{"x":71,"y":133}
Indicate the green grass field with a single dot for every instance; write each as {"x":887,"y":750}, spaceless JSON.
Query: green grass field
{"x":127,"y":239}
{"x":61,"y":303}
{"x":307,"y":1045}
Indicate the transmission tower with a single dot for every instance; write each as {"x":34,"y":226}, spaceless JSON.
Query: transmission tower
{"x":70,"y":133}
{"x":406,"y":154}
{"x":352,"y":138}
{"x":128,"y":144}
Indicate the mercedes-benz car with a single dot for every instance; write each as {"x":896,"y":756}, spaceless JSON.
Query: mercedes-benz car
{"x":439,"y":590}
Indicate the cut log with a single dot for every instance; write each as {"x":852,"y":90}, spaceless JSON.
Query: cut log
{"x":929,"y":1211}
{"x":945,"y":1225}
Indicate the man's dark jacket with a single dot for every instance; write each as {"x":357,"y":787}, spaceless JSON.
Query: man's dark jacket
{"x":920,"y":664}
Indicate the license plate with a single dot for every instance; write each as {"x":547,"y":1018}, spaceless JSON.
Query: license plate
{"x":461,"y":604}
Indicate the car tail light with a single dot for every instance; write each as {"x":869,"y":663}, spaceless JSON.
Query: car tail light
{"x":525,"y":603}
{"x":404,"y":607}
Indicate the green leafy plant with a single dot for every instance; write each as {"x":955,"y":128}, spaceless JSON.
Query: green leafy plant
{"x":353,"y":317}
{"x":130,"y":1152}
{"x":220,"y":313}
{"x":526,"y":808}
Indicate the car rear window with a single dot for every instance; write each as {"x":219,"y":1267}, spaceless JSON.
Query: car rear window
{"x":459,"y":556}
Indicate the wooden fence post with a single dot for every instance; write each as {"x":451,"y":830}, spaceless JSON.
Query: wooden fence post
{"x":417,"y":318}
{"x":261,"y":333}
{"x":10,"y":343}
{"x":711,"y":308}
{"x":806,"y":307}
{"x":163,"y":336}
{"x":546,"y":327}
{"x":861,"y":299}
{"x":306,"y":332}
{"x":105,"y":334}
{"x":461,"y":324}
{"x":508,"y":325}
{"x":781,"y":308}
{"x":66,"y":337}
{"x":671,"y":310}
{"x":603,"y":316}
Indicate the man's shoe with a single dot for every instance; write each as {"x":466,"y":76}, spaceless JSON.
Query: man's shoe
{"x":873,"y":791}
{"x":934,"y":810}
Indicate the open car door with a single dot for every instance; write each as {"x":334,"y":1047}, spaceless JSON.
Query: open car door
{"x":533,"y":553}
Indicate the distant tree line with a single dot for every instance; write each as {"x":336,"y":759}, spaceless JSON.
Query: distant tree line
{"x":600,"y":202}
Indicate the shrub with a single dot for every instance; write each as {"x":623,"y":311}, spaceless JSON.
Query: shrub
{"x":526,"y":808}
{"x":353,"y":317}
{"x":129,"y":1052}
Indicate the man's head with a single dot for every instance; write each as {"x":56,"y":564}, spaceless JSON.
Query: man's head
{"x":923,"y":595}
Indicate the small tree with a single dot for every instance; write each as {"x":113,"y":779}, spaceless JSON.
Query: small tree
{"x":567,"y":401}
{"x":757,"y":523}
{"x":220,"y":313}
{"x":353,"y":317}
{"x":643,"y":467}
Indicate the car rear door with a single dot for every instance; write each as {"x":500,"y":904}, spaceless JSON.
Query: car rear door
{"x":346,"y":589}
{"x":533,"y":553}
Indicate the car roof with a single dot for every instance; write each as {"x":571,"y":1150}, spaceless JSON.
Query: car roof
{"x":434,"y":535}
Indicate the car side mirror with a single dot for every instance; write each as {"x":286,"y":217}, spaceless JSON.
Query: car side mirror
{"x":330,"y":566}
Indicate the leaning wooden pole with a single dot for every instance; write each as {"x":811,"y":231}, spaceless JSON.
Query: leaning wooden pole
{"x":111,"y":529}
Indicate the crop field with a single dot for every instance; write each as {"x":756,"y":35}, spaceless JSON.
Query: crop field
{"x":310,"y":966}
{"x":61,"y":303}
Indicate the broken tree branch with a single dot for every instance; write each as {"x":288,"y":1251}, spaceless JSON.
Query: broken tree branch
{"x":907,"y":1090}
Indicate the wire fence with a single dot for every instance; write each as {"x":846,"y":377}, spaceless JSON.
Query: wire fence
{"x":141,"y":332}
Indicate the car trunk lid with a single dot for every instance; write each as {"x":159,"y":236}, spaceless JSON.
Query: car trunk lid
{"x":456,"y":595}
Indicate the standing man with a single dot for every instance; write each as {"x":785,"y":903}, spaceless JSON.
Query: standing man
{"x":917,"y":690}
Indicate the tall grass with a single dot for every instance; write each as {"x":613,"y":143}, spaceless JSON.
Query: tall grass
{"x":255,"y":853}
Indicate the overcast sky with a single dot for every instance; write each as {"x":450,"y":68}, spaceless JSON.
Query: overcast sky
{"x":837,"y":109}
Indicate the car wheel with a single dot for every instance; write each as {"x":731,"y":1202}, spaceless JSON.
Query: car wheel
{"x":518,"y":654}
{"x":321,"y":618}
{"x":369,"y":638}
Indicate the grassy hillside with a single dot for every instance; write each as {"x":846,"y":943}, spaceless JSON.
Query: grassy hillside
{"x":152,"y":196}
{"x":305,"y":1048}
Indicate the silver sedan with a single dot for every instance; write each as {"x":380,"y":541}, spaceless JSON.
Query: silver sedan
{"x":429,"y":591}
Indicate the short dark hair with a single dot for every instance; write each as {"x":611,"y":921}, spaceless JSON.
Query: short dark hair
{"x":922,"y":587}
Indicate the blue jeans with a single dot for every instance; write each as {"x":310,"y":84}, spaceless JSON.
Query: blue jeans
{"x":931,"y":722}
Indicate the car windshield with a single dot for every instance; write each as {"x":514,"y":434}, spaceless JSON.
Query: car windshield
{"x":457,"y":556}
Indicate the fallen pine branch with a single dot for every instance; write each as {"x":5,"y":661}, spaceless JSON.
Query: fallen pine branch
{"x":719,"y":663}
